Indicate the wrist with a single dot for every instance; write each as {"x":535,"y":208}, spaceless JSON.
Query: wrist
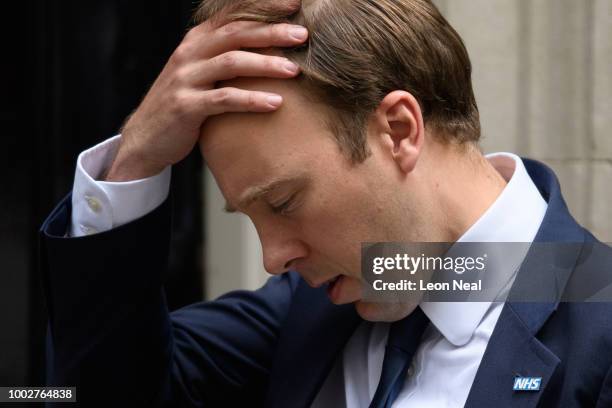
{"x":130,"y":166}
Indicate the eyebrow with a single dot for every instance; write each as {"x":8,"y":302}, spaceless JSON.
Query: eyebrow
{"x":254,"y":193}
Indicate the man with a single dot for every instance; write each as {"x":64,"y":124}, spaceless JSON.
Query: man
{"x":366,"y":133}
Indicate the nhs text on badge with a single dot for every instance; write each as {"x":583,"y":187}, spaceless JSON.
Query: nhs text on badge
{"x":527,"y":383}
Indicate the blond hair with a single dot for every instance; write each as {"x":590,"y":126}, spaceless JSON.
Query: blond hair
{"x":360,"y":50}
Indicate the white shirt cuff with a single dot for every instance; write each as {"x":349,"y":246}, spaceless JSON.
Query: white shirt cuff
{"x":99,"y":206}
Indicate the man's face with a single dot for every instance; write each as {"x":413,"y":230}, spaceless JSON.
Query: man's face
{"x":311,"y":206}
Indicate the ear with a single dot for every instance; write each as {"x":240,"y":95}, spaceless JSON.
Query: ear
{"x":398,"y":129}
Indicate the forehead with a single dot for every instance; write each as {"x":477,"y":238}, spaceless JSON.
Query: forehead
{"x":299,"y":121}
{"x":297,"y":111}
{"x":246,"y":149}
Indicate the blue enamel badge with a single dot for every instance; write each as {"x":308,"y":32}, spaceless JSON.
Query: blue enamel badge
{"x":527,"y":383}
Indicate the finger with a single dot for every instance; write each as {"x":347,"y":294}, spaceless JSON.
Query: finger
{"x":235,"y":64}
{"x":223,"y":100}
{"x":236,"y":35}
{"x":246,"y":34}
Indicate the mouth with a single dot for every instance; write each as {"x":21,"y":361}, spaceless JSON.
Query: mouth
{"x":332,"y":280}
{"x":333,"y":288}
{"x":316,"y":285}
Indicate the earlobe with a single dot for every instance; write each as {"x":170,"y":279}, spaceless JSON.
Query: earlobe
{"x":406,"y":156}
{"x":400,"y":116}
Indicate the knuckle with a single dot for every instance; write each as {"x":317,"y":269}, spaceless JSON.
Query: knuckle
{"x":279,"y":30}
{"x":227,"y":60}
{"x":270,"y":63}
{"x":221,"y":96}
{"x":251,"y":101}
{"x":181,"y":75}
{"x":232,"y":29}
{"x":180,"y":102}
{"x":182,"y":52}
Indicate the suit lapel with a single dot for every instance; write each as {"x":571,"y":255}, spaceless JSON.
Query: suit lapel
{"x":313,"y":337}
{"x":513,"y":349}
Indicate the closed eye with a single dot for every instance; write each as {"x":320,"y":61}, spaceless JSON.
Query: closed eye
{"x":285,"y":207}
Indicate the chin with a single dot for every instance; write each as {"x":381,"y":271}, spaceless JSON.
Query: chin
{"x":383,"y":312}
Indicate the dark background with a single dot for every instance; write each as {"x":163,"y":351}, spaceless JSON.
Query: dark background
{"x":71,"y":73}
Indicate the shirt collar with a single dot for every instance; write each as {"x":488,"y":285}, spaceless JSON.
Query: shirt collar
{"x":520,"y":199}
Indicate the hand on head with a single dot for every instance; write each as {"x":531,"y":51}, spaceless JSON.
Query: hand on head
{"x":166,"y":126}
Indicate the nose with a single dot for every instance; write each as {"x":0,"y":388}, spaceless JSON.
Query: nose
{"x":280,"y":250}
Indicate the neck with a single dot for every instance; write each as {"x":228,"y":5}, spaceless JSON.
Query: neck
{"x":463,"y":185}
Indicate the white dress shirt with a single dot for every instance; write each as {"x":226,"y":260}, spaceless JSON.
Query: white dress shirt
{"x":445,"y":364}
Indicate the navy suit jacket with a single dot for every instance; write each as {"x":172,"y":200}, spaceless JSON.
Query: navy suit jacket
{"x":111,"y":336}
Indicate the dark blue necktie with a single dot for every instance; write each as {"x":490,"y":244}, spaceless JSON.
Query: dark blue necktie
{"x":404,"y":338}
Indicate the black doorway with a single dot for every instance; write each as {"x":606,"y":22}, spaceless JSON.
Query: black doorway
{"x":72,"y":72}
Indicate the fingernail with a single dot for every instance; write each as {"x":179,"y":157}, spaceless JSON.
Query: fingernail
{"x":298,"y":32}
{"x":291,"y":67}
{"x":275,"y":100}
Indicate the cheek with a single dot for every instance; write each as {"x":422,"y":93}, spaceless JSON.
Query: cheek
{"x":343,"y":211}
{"x":336,"y":236}
{"x":330,"y":238}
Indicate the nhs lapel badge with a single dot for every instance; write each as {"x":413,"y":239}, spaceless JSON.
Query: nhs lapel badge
{"x":527,"y":383}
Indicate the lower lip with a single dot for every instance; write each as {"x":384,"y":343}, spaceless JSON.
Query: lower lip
{"x":333,"y":290}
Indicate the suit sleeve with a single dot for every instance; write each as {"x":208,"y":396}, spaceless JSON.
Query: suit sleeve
{"x":111,"y":336}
